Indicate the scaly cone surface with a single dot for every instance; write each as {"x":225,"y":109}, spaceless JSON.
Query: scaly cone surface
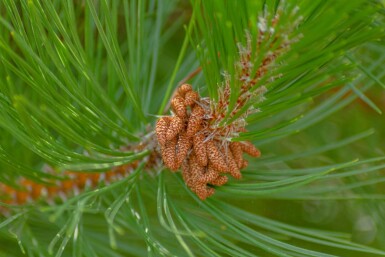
{"x":190,"y":140}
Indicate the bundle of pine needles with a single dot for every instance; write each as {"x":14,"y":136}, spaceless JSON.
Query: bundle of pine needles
{"x":100,"y":100}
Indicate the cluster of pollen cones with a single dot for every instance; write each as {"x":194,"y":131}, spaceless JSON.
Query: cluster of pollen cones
{"x":74,"y":183}
{"x":188,"y":140}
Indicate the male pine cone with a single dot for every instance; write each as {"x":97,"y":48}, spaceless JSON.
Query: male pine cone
{"x":187,"y":140}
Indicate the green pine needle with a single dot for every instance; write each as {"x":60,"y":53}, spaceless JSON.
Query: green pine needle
{"x":81,"y":86}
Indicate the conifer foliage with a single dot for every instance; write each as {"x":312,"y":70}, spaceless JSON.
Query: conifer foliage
{"x":100,"y":100}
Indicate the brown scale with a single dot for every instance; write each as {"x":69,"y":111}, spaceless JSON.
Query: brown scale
{"x":179,"y":107}
{"x":203,"y":191}
{"x":250,"y":149}
{"x":188,"y":142}
{"x":161,"y":129}
{"x":200,"y":149}
{"x":199,"y":178}
{"x":236,"y":150}
{"x":195,"y":120}
{"x":219,"y":181}
{"x":183,"y":146}
{"x":169,"y":154}
{"x":232,"y":165}
{"x":186,"y":175}
{"x":176,"y":126}
{"x":191,"y":98}
{"x":216,"y":157}
{"x":183,"y":89}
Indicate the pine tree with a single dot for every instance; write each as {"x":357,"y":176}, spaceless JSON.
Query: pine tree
{"x":202,"y":128}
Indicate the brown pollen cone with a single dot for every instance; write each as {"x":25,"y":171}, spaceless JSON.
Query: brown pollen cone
{"x":200,"y":149}
{"x":188,"y":140}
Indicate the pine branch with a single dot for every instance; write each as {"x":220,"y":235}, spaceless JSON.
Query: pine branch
{"x":84,"y":164}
